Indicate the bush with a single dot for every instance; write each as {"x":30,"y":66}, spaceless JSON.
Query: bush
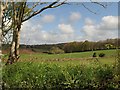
{"x":44,"y":76}
{"x":56,"y":50}
{"x":94,"y":54}
{"x":101,"y":55}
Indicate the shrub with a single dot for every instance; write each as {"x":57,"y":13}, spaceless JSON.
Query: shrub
{"x":101,"y":55}
{"x":105,"y":76}
{"x":44,"y":76}
{"x":94,"y":54}
{"x":56,"y":50}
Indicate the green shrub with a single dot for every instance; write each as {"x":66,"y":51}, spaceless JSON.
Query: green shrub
{"x":94,"y":54}
{"x":56,"y":50}
{"x":55,"y":77}
{"x":104,"y":77}
{"x":101,"y":55}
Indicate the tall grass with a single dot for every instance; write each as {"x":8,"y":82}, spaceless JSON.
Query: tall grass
{"x":44,"y":76}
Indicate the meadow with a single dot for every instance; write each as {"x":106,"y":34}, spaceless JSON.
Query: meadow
{"x":69,"y":71}
{"x":75,"y":58}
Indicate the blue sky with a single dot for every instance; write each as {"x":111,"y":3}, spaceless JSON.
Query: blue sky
{"x":72,"y":23}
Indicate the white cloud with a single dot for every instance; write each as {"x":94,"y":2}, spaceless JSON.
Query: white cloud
{"x":75,"y":16}
{"x":48,"y":18}
{"x":88,"y":21}
{"x":34,"y":34}
{"x":107,"y":28}
{"x":66,"y":28}
{"x":109,"y":23}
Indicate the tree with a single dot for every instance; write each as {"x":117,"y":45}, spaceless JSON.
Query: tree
{"x":17,"y":17}
{"x":71,"y":47}
{"x":56,"y":50}
{"x":4,"y":28}
{"x":108,"y":46}
{"x":20,"y":12}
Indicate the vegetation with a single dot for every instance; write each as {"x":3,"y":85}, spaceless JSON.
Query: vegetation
{"x":72,"y":46}
{"x":65,"y":71}
{"x":93,"y":76}
{"x":110,"y":56}
{"x":94,"y":54}
{"x":56,"y":50}
{"x":15,"y":13}
{"x":40,"y":71}
{"x":91,"y":46}
{"x":101,"y":55}
{"x":67,"y":58}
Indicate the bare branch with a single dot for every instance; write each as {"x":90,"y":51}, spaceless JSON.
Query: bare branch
{"x":88,"y":8}
{"x":44,"y":8}
{"x":64,"y":2}
{"x":34,"y":6}
{"x":104,"y":6}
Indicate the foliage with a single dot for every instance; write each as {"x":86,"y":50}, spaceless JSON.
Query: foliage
{"x":56,"y":77}
{"x":101,"y":55}
{"x":72,"y":46}
{"x":109,"y":46}
{"x":90,"y":46}
{"x":94,"y":54}
{"x":56,"y":50}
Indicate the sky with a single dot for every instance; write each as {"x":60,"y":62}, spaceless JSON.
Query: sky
{"x":69,"y":23}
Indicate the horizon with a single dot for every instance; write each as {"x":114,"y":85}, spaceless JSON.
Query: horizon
{"x":71,"y":42}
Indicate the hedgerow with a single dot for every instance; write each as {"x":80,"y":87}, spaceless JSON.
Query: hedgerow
{"x":44,"y":76}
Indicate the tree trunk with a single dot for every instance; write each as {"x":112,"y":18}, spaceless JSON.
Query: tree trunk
{"x":17,"y":44}
{"x":14,"y":50}
{"x":0,"y":21}
{"x":17,"y":22}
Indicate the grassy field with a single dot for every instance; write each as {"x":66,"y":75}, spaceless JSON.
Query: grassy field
{"x":70,"y":58}
{"x":76,"y":58}
{"x":71,"y":71}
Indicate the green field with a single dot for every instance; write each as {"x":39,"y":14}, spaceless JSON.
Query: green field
{"x":76,"y":58}
{"x":71,"y":71}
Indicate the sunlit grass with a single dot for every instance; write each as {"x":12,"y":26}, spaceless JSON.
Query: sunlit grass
{"x":72,"y":58}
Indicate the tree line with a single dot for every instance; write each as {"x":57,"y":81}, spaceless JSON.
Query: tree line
{"x":75,"y":46}
{"x":91,"y":46}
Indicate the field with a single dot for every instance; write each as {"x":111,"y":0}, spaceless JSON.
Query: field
{"x":70,"y":71}
{"x":76,"y":58}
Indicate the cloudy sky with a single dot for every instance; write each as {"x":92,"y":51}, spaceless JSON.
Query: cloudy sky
{"x":72,"y":23}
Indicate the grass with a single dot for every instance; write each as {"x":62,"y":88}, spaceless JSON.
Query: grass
{"x":70,"y":58}
{"x":75,"y":58}
{"x":69,"y":55}
{"x":71,"y":71}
